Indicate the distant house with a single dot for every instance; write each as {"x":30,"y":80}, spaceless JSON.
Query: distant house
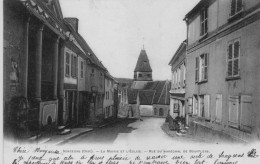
{"x":223,"y":73}
{"x":178,"y":85}
{"x":108,"y":106}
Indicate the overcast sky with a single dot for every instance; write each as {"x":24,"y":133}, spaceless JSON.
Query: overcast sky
{"x":117,"y":29}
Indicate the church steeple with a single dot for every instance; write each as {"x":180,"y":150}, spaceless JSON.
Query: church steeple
{"x":143,"y":70}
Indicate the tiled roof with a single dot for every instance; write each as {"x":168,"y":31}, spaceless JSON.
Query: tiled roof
{"x":146,"y":97}
{"x":143,"y":64}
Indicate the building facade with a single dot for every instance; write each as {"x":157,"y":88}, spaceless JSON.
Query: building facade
{"x":108,"y":106}
{"x":222,"y":78}
{"x":178,"y":69}
{"x":51,"y":75}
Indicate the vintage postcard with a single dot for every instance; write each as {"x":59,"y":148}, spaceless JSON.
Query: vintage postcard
{"x":131,"y":81}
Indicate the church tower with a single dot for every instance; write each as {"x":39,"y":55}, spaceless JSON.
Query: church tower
{"x":143,"y":70}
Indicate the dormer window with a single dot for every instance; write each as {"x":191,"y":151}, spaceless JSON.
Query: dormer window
{"x":204,"y":21}
{"x":236,"y":7}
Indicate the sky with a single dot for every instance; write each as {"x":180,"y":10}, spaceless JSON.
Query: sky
{"x":117,"y":30}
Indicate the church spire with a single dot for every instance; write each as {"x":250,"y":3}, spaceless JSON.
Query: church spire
{"x":143,"y":70}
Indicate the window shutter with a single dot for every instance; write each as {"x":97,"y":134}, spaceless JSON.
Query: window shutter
{"x":233,"y":110}
{"x":207,"y":106}
{"x":236,"y":58}
{"x":190,"y":105}
{"x":201,"y":23}
{"x":76,"y":66}
{"x":219,"y":108}
{"x":197,"y":70}
{"x":246,"y":112}
{"x":206,"y":63}
{"x":230,"y":56}
{"x":72,"y":65}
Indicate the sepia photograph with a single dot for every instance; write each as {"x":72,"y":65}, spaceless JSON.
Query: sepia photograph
{"x":130,"y":81}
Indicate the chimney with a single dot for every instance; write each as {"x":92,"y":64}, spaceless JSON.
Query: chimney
{"x":74,"y":22}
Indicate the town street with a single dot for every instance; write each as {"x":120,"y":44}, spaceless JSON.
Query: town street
{"x":130,"y":132}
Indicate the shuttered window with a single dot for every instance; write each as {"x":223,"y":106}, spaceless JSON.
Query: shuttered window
{"x":190,"y":105}
{"x":246,"y":113}
{"x":201,"y":106}
{"x":233,"y":106}
{"x":203,"y":69}
{"x":233,"y":59}
{"x":240,"y":112}
{"x":81,"y":69}
{"x":207,"y":107}
{"x":204,"y":21}
{"x":236,"y":7}
{"x":197,"y":70}
{"x":195,"y":105}
{"x":67,"y":69}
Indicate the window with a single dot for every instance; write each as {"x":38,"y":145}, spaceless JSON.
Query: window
{"x":176,"y":79}
{"x":236,"y":7}
{"x":81,"y":69}
{"x":204,"y":21}
{"x":73,"y":66}
{"x":140,"y":75}
{"x":190,"y":105}
{"x":179,"y":77}
{"x":173,"y":80}
{"x":201,"y":68}
{"x":233,"y":57}
{"x":204,"y":106}
{"x":67,"y":64}
{"x":201,"y":106}
{"x":148,"y":75}
{"x":195,"y":105}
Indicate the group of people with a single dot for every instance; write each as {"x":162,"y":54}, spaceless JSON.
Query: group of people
{"x":177,"y":124}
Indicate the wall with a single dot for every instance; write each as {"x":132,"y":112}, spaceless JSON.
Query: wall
{"x":164,"y":108}
{"x":217,"y":84}
{"x":13,"y":54}
{"x":68,"y":79}
{"x":146,"y":110}
{"x":218,"y":15}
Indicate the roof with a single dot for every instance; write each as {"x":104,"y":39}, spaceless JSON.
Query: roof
{"x":146,"y":97}
{"x":197,"y":8}
{"x":143,"y":64}
{"x":107,"y":74}
{"x":179,"y":51}
{"x":160,"y":90}
{"x":90,"y":54}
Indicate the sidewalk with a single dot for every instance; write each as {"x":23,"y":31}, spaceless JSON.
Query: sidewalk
{"x":57,"y":139}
